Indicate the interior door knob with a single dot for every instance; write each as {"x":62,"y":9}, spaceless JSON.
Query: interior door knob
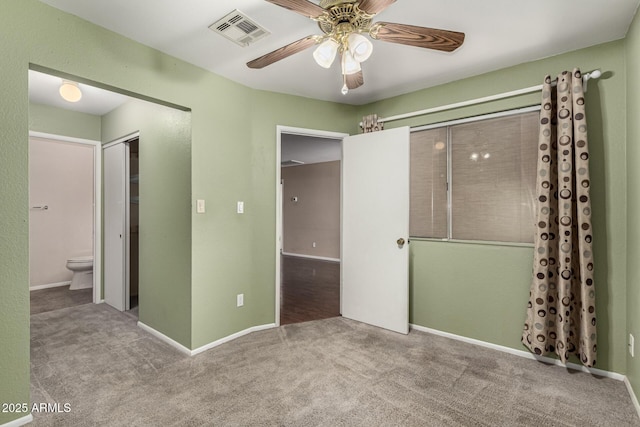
{"x":400,"y":242}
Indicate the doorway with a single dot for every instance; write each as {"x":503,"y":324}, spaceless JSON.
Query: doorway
{"x":308,"y":225}
{"x":64,"y":211}
{"x":134,"y":225}
{"x":374,"y":227}
{"x":121,"y":225}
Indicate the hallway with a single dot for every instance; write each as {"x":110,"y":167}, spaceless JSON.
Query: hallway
{"x":310,"y":290}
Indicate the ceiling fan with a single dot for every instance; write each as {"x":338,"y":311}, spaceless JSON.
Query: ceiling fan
{"x":343,"y":23}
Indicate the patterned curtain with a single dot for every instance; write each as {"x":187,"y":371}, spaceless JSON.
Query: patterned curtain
{"x":370,"y":124}
{"x":561,"y":311}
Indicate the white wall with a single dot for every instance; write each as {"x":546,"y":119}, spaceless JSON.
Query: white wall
{"x":61,"y":177}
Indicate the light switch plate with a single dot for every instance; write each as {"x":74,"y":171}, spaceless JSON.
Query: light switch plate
{"x":200,"y":208}
{"x":240,"y":300}
{"x":240,"y":208}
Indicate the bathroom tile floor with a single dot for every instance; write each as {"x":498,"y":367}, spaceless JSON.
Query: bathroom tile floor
{"x":52,"y":299}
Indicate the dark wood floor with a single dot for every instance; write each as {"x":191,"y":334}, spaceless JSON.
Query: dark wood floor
{"x":310,"y":290}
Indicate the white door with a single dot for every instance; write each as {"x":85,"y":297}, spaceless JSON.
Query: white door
{"x":116,"y":226}
{"x":375,"y":229}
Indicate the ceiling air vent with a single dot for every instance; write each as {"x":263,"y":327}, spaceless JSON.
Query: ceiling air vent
{"x":239,"y":28}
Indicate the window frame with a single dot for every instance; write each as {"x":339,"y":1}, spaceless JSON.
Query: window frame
{"x":448,"y":124}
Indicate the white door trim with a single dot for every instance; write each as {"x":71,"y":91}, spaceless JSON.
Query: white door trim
{"x":291,"y":131}
{"x":125,"y":138}
{"x":97,"y":204}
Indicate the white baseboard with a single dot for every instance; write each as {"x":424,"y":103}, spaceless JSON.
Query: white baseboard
{"x":165,"y":338}
{"x":321,"y":258}
{"x":205,"y":347}
{"x":522,"y":353}
{"x":49,"y":285}
{"x":634,"y":399}
{"x":232,"y":337}
{"x":19,"y":422}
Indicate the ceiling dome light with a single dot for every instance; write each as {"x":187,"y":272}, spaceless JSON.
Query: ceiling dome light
{"x":326,"y":53}
{"x":349,"y":64}
{"x":69,"y":91}
{"x":360,"y":47}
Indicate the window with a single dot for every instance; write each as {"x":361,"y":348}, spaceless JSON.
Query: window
{"x":475,"y":179}
{"x":428,"y":165}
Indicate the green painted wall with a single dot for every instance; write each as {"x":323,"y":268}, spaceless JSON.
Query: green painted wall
{"x":165,"y":212}
{"x":268,"y":111}
{"x":232,"y":158}
{"x":229,"y":161}
{"x":454,"y":288}
{"x":233,"y":139}
{"x":481,"y":291}
{"x":57,"y":121}
{"x":233,"y":253}
{"x":632,"y":44}
{"x":14,"y":227}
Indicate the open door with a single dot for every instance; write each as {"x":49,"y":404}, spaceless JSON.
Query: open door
{"x":116,"y":226}
{"x":375,"y":229}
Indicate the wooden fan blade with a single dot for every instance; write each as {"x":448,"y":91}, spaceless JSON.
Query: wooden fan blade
{"x":373,"y":7}
{"x":303,"y":7}
{"x":429,"y":38}
{"x":355,"y":80}
{"x":283,"y":52}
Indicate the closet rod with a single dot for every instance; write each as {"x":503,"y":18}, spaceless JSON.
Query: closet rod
{"x":585,"y":77}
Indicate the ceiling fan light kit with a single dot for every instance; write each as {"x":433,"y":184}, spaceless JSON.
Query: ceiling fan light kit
{"x":343,"y":23}
{"x":325,"y":54}
{"x":359,"y":46}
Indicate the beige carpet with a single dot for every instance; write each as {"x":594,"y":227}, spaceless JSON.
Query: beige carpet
{"x":332,"y":372}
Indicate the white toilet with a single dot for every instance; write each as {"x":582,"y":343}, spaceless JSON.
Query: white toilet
{"x":82,"y":268}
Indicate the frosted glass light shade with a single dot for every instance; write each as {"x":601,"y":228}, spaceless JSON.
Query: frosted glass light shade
{"x":69,"y":91}
{"x":360,"y":47}
{"x":349,"y":64}
{"x":326,"y":53}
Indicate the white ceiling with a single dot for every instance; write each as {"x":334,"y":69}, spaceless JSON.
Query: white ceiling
{"x":309,"y":149}
{"x":499,"y":33}
{"x":43,"y":89}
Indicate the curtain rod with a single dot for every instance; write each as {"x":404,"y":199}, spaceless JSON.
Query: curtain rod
{"x":585,"y":77}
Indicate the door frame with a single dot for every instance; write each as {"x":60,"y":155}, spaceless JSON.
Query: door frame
{"x":127,"y":269}
{"x":97,"y":205}
{"x":280,"y":130}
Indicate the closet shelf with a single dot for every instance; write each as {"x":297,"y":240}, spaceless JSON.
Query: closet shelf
{"x":134,"y":179}
{"x":135,"y":199}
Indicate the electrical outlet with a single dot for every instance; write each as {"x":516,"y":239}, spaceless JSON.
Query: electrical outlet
{"x":631,"y":345}
{"x":240,"y":300}
{"x":313,"y":244}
